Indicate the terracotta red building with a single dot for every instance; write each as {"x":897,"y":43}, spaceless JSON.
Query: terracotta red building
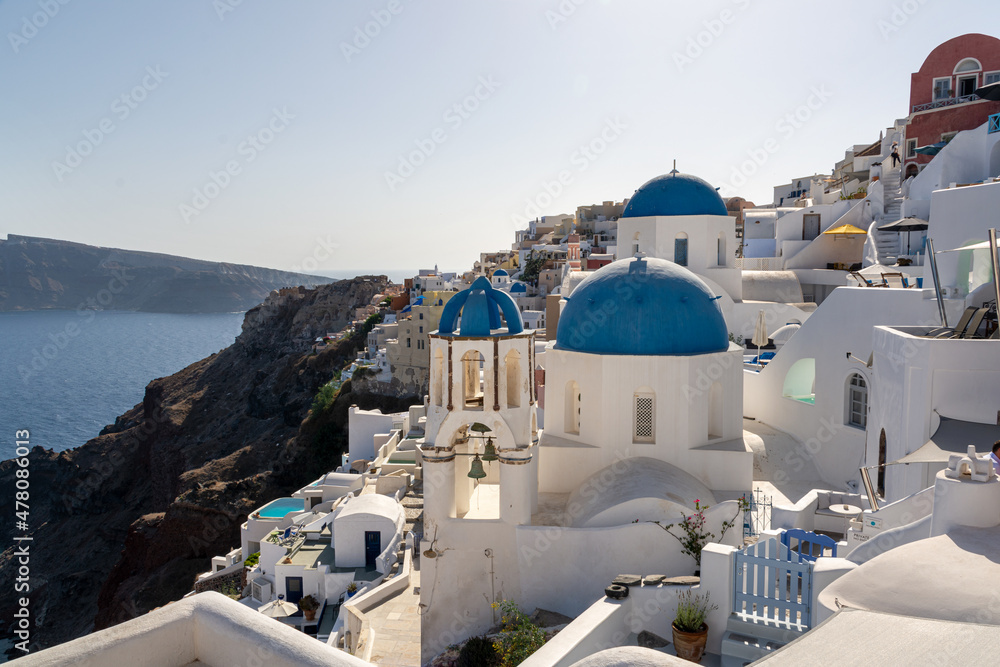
{"x":942,"y":94}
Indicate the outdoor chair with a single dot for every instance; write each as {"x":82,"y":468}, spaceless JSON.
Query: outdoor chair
{"x":865,"y":282}
{"x":971,"y":331}
{"x":896,"y":280}
{"x":949,"y":332}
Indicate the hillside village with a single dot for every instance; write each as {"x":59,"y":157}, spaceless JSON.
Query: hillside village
{"x":785,"y":409}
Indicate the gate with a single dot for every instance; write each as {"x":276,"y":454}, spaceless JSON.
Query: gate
{"x":757,"y":516}
{"x":772,"y":589}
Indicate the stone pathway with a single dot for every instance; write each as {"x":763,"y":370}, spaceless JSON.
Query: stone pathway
{"x":396,"y":624}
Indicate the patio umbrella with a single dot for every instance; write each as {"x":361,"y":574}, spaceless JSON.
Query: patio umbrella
{"x":990,"y":91}
{"x":846,"y":230}
{"x":760,"y":333}
{"x":907,"y":224}
{"x":278,"y":608}
{"x":985,"y":245}
{"x":930,"y":149}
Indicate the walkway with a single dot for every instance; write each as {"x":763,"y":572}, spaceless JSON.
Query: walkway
{"x":396,"y":624}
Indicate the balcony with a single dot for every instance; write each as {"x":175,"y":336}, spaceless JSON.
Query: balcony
{"x":944,"y":102}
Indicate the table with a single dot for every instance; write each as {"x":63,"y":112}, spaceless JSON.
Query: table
{"x":846,"y":511}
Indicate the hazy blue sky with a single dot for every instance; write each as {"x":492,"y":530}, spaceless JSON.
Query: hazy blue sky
{"x":310,"y":118}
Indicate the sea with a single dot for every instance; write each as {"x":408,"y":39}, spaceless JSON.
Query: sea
{"x":64,"y":375}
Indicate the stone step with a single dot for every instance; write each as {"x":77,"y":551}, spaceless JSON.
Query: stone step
{"x":745,"y":642}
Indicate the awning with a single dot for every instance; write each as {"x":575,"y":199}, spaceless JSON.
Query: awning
{"x":954,"y":437}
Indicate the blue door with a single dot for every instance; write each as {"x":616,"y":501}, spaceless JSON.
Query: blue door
{"x":373,"y":546}
{"x":681,"y":252}
{"x":293,"y":589}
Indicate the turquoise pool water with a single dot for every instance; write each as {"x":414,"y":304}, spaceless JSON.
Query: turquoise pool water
{"x":277,"y":509}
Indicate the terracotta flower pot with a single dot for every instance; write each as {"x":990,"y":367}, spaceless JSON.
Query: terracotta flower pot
{"x":310,"y":614}
{"x":690,"y":645}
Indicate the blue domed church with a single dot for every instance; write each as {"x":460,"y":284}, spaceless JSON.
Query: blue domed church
{"x":683,"y":219}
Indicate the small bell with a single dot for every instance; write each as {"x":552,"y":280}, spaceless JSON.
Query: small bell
{"x":490,"y":451}
{"x":476,"y":469}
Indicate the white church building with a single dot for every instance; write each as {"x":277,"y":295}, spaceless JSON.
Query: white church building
{"x":645,"y":405}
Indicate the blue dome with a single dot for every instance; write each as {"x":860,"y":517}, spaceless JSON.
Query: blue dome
{"x":642,"y":307}
{"x":500,"y":272}
{"x":480,"y":306}
{"x":675,"y":194}
{"x":518,"y":287}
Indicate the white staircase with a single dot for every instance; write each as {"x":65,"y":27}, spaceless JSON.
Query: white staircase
{"x":887,"y":243}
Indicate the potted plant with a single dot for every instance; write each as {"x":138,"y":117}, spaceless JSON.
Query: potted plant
{"x":309,"y":605}
{"x":689,"y":627}
{"x":352,"y":588}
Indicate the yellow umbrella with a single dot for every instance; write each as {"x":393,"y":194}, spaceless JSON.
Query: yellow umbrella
{"x":846,"y":230}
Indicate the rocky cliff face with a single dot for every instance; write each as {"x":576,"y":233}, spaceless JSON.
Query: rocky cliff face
{"x":38,"y":274}
{"x":123,"y":524}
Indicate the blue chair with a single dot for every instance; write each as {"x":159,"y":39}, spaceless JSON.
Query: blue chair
{"x":810,"y":546}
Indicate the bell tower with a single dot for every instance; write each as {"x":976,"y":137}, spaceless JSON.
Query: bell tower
{"x":479,"y":444}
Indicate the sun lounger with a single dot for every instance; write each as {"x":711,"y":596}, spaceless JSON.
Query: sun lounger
{"x":898,"y":280}
{"x":972,"y":330}
{"x":959,"y":329}
{"x":865,"y":282}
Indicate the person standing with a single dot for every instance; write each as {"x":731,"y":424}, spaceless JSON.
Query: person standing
{"x":895,"y":154}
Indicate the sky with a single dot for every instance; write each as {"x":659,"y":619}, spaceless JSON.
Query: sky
{"x":396,"y":134}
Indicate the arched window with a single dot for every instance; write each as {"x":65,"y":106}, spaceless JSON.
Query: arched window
{"x":715,"y":411}
{"x":644,"y":417}
{"x":968,"y":65}
{"x":800,"y":381}
{"x":512,"y":362}
{"x":681,"y":249}
{"x":573,"y":407}
{"x":856,"y":401}
{"x":438,"y":378}
{"x":473,"y":382}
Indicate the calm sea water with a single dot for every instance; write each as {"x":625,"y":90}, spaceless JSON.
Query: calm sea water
{"x":65,"y":375}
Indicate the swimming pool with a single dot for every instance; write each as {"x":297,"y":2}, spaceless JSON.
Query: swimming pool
{"x":403,"y":457}
{"x":277,"y":509}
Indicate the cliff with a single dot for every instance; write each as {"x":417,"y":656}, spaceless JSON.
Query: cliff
{"x":124,"y":523}
{"x":38,"y":274}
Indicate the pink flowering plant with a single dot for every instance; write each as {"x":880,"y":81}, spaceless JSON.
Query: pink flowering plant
{"x":693,"y":535}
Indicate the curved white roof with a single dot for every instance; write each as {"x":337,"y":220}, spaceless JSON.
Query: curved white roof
{"x":372,"y":504}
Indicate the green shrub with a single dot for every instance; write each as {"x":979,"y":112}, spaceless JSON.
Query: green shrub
{"x":692,"y":609}
{"x":252,"y":560}
{"x":518,"y":637}
{"x":478,"y":652}
{"x":324,"y":398}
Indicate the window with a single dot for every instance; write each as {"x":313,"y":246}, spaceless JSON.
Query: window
{"x":473,"y":380}
{"x":800,"y":381}
{"x":407,"y":342}
{"x":715,"y":411}
{"x":643,"y":427}
{"x":991,"y":77}
{"x":857,"y":400}
{"x":948,"y":136}
{"x":721,"y":250}
{"x":967,"y":85}
{"x":421,"y":329}
{"x":681,"y":249}
{"x":421,"y":316}
{"x":438,"y":378}
{"x":572,"y":416}
{"x":512,"y":363}
{"x":942,"y":88}
{"x":968,"y":65}
{"x":911,"y":147}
